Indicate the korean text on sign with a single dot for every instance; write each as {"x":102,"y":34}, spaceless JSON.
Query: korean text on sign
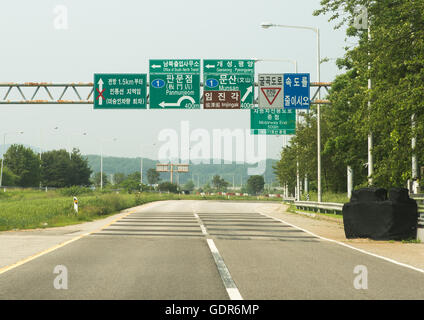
{"x":296,"y":91}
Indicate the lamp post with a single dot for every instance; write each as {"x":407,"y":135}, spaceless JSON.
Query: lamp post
{"x":294,"y":62}
{"x":4,"y":152}
{"x":69,"y":141}
{"x":267,"y":25}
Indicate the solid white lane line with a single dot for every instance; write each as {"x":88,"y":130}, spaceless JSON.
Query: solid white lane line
{"x":234,"y":294}
{"x":212,"y":246}
{"x":346,"y":245}
{"x":228,"y":282}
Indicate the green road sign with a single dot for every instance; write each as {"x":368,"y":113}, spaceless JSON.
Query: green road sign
{"x":272,"y":121}
{"x":120,"y":91}
{"x":232,"y":75}
{"x":175,"y":84}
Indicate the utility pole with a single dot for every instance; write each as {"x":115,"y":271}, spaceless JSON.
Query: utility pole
{"x":414,"y":170}
{"x":370,"y":135}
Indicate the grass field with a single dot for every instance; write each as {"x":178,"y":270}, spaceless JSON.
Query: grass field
{"x":29,"y":209}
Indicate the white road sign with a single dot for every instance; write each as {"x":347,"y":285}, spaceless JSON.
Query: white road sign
{"x":271,"y":90}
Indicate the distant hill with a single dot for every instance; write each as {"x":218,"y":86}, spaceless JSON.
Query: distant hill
{"x":201,"y":173}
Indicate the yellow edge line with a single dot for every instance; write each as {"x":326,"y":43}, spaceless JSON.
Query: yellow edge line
{"x":37,"y":255}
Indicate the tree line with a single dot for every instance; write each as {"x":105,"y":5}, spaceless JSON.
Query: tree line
{"x":57,"y":168}
{"x":392,"y":56}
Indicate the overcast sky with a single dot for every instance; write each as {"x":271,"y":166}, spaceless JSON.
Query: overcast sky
{"x":121,"y":36}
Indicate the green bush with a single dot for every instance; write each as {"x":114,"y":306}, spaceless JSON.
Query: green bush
{"x":168,"y":187}
{"x":75,"y":191}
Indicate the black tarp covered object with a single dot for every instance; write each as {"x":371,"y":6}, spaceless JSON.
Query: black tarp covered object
{"x":370,"y":214}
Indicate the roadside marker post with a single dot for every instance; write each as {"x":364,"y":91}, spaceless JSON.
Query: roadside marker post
{"x":76,"y":205}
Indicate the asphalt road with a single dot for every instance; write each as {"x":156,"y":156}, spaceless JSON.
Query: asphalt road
{"x":207,"y":250}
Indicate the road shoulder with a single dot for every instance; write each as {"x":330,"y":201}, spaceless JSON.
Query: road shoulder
{"x":18,"y":245}
{"x":407,"y":253}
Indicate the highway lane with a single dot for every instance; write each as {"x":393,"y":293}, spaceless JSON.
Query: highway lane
{"x":207,"y":250}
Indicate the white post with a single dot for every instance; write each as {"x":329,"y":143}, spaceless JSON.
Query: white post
{"x":370,"y":135}
{"x":349,"y":181}
{"x":297,"y":162}
{"x":414,"y":170}
{"x":306,"y":184}
{"x":297,"y":182}
{"x":319,"y":117}
{"x":76,"y":205}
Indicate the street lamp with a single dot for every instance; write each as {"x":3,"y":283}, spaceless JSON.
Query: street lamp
{"x":69,"y":141}
{"x":294,"y":62}
{"x":267,"y":25}
{"x":4,"y":152}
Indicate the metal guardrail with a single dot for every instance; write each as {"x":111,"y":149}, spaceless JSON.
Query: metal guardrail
{"x":330,"y":207}
{"x":420,"y":201}
{"x":289,"y":199}
{"x":321,"y":207}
